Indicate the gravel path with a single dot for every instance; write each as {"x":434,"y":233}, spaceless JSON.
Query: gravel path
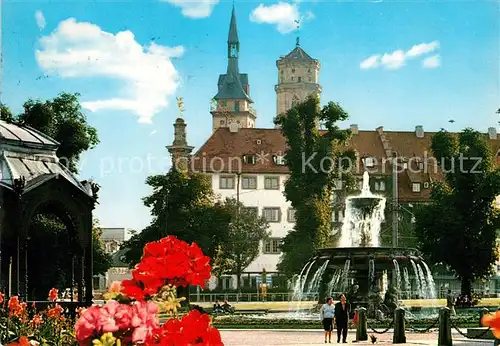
{"x":315,"y":337}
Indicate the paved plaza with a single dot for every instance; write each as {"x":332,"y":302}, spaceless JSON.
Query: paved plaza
{"x":315,"y":337}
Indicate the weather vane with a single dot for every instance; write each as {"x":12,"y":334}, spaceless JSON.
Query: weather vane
{"x":180,"y":105}
{"x":297,"y":43}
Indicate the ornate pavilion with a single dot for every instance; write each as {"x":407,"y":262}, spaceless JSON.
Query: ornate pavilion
{"x":33,"y":180}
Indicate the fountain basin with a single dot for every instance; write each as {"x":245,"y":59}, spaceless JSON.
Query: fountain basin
{"x":360,"y":256}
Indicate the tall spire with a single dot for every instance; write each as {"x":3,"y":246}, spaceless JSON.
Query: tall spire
{"x":297,"y":41}
{"x":233,"y":29}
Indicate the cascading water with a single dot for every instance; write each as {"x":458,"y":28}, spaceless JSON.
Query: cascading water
{"x":304,"y":279}
{"x":407,"y":284}
{"x":313,"y":288}
{"x":363,"y":216}
{"x":423,"y":282}
{"x":333,"y":282}
{"x":396,"y":275}
{"x":345,"y":274}
{"x":430,"y":282}
{"x":417,"y":278}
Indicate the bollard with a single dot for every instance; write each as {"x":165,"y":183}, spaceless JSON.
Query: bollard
{"x":482,"y":312}
{"x":444,"y":338}
{"x":399,"y":336}
{"x":362,"y":325}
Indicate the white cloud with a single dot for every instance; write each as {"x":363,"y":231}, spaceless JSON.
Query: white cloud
{"x":81,"y":49}
{"x":370,"y":62}
{"x":40,"y":19}
{"x":432,"y":61}
{"x":195,"y":8}
{"x":423,"y":48}
{"x":284,"y":15}
{"x":398,"y":58}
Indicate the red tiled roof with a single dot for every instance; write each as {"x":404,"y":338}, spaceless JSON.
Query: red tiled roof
{"x":223,"y":152}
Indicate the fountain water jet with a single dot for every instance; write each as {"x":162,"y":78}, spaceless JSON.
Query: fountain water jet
{"x":361,"y":266}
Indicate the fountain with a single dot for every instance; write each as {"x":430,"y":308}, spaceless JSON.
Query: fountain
{"x":362,"y":268}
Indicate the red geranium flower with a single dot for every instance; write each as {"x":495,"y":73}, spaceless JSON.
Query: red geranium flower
{"x":193,"y":329}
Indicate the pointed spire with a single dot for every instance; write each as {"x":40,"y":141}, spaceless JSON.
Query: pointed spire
{"x":233,"y":29}
{"x":297,"y":41}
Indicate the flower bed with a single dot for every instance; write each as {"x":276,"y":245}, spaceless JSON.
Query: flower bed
{"x":245,"y":322}
{"x":130,"y":314}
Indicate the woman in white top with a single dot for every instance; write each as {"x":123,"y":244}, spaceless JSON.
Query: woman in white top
{"x":326,"y":314}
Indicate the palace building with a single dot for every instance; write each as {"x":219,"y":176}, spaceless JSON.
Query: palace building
{"x":247,"y":163}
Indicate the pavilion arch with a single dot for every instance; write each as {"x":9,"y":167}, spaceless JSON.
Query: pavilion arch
{"x":33,"y":181}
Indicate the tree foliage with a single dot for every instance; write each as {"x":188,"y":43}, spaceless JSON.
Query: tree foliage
{"x":184,"y":206}
{"x":62,"y":119}
{"x":461,"y":216}
{"x":315,"y":159}
{"x":246,"y":232}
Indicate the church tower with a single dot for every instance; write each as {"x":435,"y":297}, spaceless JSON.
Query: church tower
{"x":298,"y":78}
{"x":232,"y":102}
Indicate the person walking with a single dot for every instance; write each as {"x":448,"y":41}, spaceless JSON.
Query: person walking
{"x":326,"y":314}
{"x":342,"y":311}
{"x":450,"y":303}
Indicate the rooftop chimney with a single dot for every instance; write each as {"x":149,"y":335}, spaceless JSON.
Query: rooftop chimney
{"x":492,"y":132}
{"x":354,"y":129}
{"x":419,"y":131}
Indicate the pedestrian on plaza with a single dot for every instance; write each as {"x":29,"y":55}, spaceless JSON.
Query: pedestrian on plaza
{"x":450,"y":303}
{"x":342,"y":311}
{"x":326,"y":314}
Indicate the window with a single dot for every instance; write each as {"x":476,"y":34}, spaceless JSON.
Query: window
{"x":222,"y":123}
{"x":369,"y":162}
{"x":271,"y":214}
{"x":416,"y":187}
{"x":272,"y":246}
{"x":226,"y":183}
{"x":290,"y":215}
{"x":308,"y":70}
{"x":271,"y":183}
{"x":248,"y":182}
{"x":299,"y":79}
{"x":293,"y":78}
{"x":223,"y":103}
{"x":334,"y":216}
{"x":293,"y":70}
{"x":341,"y":216}
{"x":236,"y":106}
{"x":420,"y":165}
{"x":426,"y":185}
{"x":251,"y":210}
{"x":249,"y":159}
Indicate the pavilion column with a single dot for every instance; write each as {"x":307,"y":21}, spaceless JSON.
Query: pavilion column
{"x":78,"y":275}
{"x":88,"y":262}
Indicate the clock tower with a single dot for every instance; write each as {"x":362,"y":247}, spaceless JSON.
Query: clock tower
{"x":232,"y":102}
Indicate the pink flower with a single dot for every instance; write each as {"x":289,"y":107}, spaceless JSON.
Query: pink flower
{"x":145,"y":320}
{"x":107,"y":317}
{"x":87,"y":324}
{"x":123,"y":316}
{"x":115,"y":287}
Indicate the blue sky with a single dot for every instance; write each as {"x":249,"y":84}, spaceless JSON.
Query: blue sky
{"x":435,"y":61}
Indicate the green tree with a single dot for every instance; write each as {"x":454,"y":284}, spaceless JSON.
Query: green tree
{"x":246,"y":232}
{"x":315,"y":159}
{"x":182,"y":205}
{"x":101,"y":260}
{"x":62,"y":119}
{"x":460,"y":216}
{"x":5,"y":113}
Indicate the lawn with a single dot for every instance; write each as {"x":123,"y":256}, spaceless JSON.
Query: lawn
{"x":283,"y":306}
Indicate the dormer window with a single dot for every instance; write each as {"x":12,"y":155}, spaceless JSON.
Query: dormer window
{"x":416,"y":187}
{"x":279,"y":160}
{"x":249,"y":159}
{"x":369,"y":162}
